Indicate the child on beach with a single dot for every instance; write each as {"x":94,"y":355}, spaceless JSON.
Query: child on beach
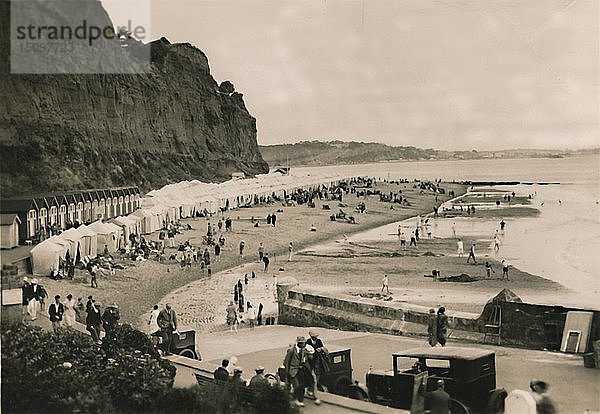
{"x":488,"y":269}
{"x":504,"y":269}
{"x":385,"y":284}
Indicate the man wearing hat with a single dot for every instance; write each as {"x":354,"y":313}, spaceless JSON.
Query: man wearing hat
{"x":93,"y":320}
{"x":25,"y":292}
{"x":34,"y":294}
{"x":110,"y":317}
{"x":295,"y":359}
{"x":259,"y":378}
{"x":237,"y":377}
{"x":320,"y":361}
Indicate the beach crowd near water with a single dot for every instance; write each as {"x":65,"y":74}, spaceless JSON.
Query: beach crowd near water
{"x":428,"y":242}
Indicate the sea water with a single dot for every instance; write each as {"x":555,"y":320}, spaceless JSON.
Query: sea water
{"x":562,"y":243}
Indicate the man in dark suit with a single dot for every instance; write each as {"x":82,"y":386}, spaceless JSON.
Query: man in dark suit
{"x":221,"y":373}
{"x":93,"y":320}
{"x":56,"y":311}
{"x":438,"y":401}
{"x":319,"y":363}
{"x":167,"y":322}
{"x":295,"y":359}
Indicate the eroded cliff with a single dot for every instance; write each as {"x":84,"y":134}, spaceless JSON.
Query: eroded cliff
{"x":62,"y":132}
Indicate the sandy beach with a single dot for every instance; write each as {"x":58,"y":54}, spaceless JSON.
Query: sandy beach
{"x":200,"y":300}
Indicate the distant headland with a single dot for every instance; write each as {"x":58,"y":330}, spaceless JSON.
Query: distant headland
{"x":352,"y":152}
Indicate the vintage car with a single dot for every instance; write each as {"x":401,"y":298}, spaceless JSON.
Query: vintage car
{"x":184,"y":344}
{"x":339,"y":378}
{"x":469,"y":375}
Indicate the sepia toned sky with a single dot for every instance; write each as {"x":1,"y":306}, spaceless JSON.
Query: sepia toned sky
{"x":440,"y":74}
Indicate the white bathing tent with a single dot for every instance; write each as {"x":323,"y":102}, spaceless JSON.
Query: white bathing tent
{"x":127,"y":225}
{"x":108,"y":234}
{"x":89,"y":241}
{"x":74,"y":240}
{"x":46,"y":256}
{"x":148,"y":221}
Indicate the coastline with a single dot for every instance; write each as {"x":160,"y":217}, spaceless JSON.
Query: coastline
{"x":143,"y":284}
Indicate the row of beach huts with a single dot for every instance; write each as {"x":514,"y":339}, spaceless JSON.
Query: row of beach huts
{"x":83,"y":224}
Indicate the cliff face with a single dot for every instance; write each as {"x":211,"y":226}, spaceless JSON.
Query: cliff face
{"x":61,"y":132}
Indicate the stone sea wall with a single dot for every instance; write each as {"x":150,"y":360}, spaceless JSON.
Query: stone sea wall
{"x":523,"y":324}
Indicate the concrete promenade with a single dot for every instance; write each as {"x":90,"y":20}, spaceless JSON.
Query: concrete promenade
{"x":573,"y":387}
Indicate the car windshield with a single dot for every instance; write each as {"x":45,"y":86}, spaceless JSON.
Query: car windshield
{"x":404,"y":364}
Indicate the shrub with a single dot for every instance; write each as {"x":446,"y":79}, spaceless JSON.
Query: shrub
{"x":124,"y":338}
{"x":66,"y":372}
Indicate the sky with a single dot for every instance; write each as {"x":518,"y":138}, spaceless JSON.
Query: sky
{"x":455,"y":75}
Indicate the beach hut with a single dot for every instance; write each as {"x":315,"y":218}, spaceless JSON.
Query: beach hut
{"x":9,"y":230}
{"x":46,"y":256}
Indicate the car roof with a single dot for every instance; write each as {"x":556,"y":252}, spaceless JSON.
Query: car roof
{"x":448,"y":352}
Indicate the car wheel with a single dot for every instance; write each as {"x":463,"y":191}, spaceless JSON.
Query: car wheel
{"x":341,"y":386}
{"x":456,"y":407}
{"x":188,"y":353}
{"x":356,"y":393}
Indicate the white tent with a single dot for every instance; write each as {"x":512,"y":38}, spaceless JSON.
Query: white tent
{"x":128,"y":226}
{"x":147,"y":220}
{"x":74,"y":240}
{"x":46,"y":256}
{"x":89,"y":241}
{"x":108,"y":234}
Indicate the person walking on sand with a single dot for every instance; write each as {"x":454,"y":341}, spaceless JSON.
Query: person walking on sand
{"x":232,"y":318}
{"x":290,"y":251}
{"x":261,"y":251}
{"x":402,"y":238}
{"x":488,"y":270}
{"x":442,"y":326}
{"x":266,"y":261}
{"x":472,"y":254}
{"x":413,"y":239}
{"x":496,"y":243}
{"x":460,"y":248}
{"x":242,"y":245}
{"x":504,"y":269}
{"x":385,"y":284}
{"x":454,"y":230}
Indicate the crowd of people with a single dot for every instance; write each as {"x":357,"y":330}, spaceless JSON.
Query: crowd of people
{"x":300,"y":373}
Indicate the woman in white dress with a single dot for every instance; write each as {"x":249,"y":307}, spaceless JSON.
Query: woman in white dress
{"x":69,"y":315}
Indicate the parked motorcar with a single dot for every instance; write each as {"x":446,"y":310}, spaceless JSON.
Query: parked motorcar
{"x":469,"y":375}
{"x":184,"y":344}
